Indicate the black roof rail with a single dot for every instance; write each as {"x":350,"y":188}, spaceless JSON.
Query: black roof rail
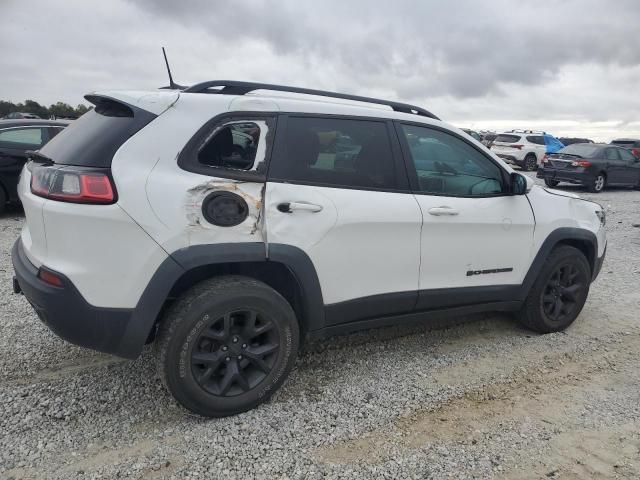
{"x":232,"y":87}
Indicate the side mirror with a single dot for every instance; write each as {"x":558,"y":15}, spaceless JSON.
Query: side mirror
{"x":520,"y":184}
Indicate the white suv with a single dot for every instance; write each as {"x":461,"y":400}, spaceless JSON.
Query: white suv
{"x":525,"y":148}
{"x":145,"y":222}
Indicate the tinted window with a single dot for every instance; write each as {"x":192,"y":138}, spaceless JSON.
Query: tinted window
{"x":626,"y":143}
{"x":447,"y":165}
{"x":627,"y":156}
{"x":233,"y":145}
{"x":21,"y":138}
{"x":611,"y":154}
{"x":336,"y":152}
{"x":96,"y":136}
{"x":585,"y":151}
{"x":537,"y":139}
{"x":507,"y":138}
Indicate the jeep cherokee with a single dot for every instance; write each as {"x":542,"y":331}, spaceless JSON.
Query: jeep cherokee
{"x":148,"y":221}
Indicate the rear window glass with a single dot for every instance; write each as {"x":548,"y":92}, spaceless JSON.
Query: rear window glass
{"x":584,"y":150}
{"x":94,"y":138}
{"x":626,"y":143}
{"x":507,"y":138}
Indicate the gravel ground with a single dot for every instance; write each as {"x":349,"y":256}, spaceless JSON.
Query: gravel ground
{"x":483,"y":399}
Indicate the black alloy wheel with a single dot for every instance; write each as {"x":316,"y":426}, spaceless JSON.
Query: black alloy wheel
{"x":564,"y":288}
{"x":226,"y":345}
{"x":235,"y":352}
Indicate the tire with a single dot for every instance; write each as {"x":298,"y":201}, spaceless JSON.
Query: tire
{"x":226,"y":345}
{"x":598,"y":183}
{"x":530,"y":163}
{"x":551,"y":183}
{"x":565,"y":277}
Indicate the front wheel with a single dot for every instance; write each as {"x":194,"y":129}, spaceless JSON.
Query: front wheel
{"x":227,"y":345}
{"x":551,"y":183}
{"x":598,"y":183}
{"x":559,"y":293}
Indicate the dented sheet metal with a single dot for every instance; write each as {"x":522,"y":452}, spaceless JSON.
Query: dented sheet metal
{"x":252,"y":193}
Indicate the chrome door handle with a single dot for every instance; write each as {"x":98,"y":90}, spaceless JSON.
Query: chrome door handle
{"x":289,"y":207}
{"x":440,"y":211}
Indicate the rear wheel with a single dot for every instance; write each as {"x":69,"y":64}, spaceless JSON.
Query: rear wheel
{"x":598,"y":183}
{"x":226,"y":345}
{"x":559,"y":293}
{"x":530,"y":162}
{"x":551,"y":183}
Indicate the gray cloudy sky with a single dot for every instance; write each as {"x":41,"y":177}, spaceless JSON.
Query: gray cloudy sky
{"x":571,"y":67}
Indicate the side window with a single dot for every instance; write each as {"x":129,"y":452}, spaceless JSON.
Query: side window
{"x":21,"y":138}
{"x":232,"y":145}
{"x":447,"y":165}
{"x":611,"y":154}
{"x":627,"y":156}
{"x":53,"y":131}
{"x":537,"y":139}
{"x":336,"y":152}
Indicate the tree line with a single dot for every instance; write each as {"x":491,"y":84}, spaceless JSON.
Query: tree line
{"x":57,"y":110}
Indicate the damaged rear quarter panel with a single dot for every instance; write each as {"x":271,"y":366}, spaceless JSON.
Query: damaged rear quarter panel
{"x":251,"y":192}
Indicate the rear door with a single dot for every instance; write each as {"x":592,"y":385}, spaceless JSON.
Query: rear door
{"x":338,"y":191}
{"x":476,"y":238}
{"x":615,"y":169}
{"x":630,"y":167}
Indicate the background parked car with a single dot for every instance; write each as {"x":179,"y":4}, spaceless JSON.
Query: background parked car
{"x":20,"y":116}
{"x":525,"y":148}
{"x":632,"y":144}
{"x":16,"y":138}
{"x":571,"y":140}
{"x":593,"y":165}
{"x":488,"y":138}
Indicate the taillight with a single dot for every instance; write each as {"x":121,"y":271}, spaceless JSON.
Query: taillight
{"x":545,"y":159}
{"x":636,"y":152}
{"x":69,"y":184}
{"x":49,"y":277}
{"x":581,"y":163}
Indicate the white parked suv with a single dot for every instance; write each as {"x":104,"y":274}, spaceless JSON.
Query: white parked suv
{"x":525,"y":148}
{"x":145,"y":223}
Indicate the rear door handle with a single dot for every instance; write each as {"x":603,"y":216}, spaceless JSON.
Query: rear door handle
{"x":441,"y":211}
{"x":289,"y":207}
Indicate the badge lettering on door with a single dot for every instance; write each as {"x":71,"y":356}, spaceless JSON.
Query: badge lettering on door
{"x":471,"y":273}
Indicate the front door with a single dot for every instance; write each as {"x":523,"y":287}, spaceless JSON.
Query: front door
{"x":338,"y":191}
{"x":476,"y":238}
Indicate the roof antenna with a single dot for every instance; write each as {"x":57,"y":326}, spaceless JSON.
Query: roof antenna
{"x":172,"y":84}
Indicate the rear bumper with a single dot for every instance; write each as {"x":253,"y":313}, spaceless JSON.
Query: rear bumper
{"x":578,"y":178}
{"x":67,"y":313}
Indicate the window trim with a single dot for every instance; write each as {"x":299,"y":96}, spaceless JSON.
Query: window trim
{"x":188,"y":157}
{"x":280,"y":149}
{"x":413,"y":175}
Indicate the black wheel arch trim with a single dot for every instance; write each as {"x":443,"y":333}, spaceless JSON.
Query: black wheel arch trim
{"x":180,"y":262}
{"x":561,"y":235}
